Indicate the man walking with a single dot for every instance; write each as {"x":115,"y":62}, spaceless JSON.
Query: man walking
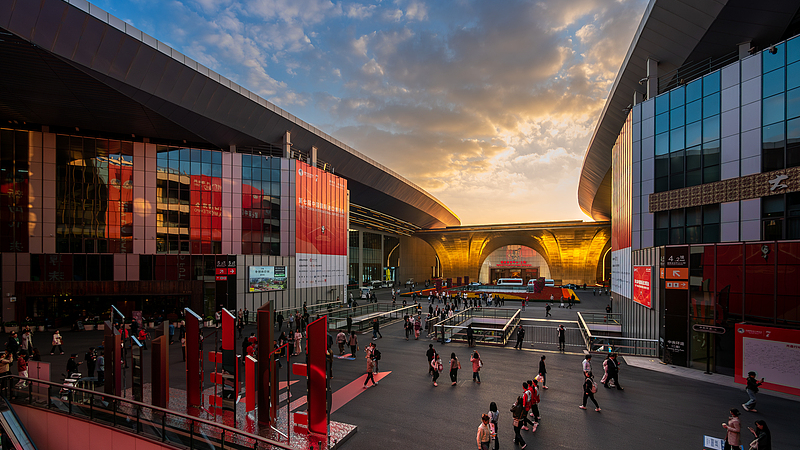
{"x":520,"y":337}
{"x":547,"y":310}
{"x":430,"y":354}
{"x":376,"y":330}
{"x":613,"y":372}
{"x":561,"y":337}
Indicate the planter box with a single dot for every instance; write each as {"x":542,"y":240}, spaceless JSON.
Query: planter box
{"x":10,"y":329}
{"x":88,"y":327}
{"x":40,"y":327}
{"x":101,"y":326}
{"x":151,"y":325}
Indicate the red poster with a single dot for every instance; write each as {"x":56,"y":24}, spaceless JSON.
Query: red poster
{"x":205,"y":218}
{"x":770,"y":353}
{"x":320,"y":224}
{"x":642,"y":279}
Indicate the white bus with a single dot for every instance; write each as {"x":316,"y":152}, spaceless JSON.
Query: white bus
{"x":509,"y":282}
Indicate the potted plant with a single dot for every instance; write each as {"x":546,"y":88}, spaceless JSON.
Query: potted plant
{"x":40,"y":325}
{"x":88,"y":325}
{"x":99,"y":325}
{"x":12,"y":326}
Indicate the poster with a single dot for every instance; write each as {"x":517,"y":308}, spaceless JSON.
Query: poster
{"x":642,"y":279}
{"x":266,"y":278}
{"x":773,"y":353}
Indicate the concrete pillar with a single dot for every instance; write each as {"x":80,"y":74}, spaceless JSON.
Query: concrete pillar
{"x":313,"y":156}
{"x":652,"y":78}
{"x":287,"y":144}
{"x":638,"y":97}
{"x":360,"y":258}
{"x":744,"y":49}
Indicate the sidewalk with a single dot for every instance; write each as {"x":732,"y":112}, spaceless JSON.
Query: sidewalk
{"x":695,"y":374}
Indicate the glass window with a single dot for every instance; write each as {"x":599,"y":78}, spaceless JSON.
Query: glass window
{"x":662,"y":103}
{"x":694,"y":235}
{"x":773,"y":83}
{"x":711,"y":154}
{"x":711,"y":83}
{"x":770,"y":62}
{"x":676,"y":97}
{"x":772,"y":147}
{"x":662,"y":184}
{"x":662,"y":166}
{"x":772,"y":206}
{"x":711,"y":214}
{"x":676,"y":181}
{"x":793,"y":143}
{"x":711,"y":233}
{"x":793,"y":103}
{"x":676,"y":236}
{"x":694,"y":90}
{"x":676,"y":218}
{"x":662,"y":144}
{"x":694,"y":134}
{"x":793,"y":75}
{"x":711,"y":105}
{"x":694,"y":178}
{"x":793,"y":50}
{"x":694,"y":111}
{"x":772,"y":108}
{"x":662,"y":219}
{"x":662,"y":122}
{"x":676,"y":140}
{"x":711,"y":174}
{"x":661,"y":237}
{"x":711,"y":129}
{"x":676,"y":118}
{"x":693,"y":158}
{"x":676,"y":162}
{"x":694,"y":216}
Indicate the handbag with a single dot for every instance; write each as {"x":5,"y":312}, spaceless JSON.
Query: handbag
{"x":754,"y":444}
{"x":480,"y":363}
{"x":594,"y":387}
{"x":516,"y":423}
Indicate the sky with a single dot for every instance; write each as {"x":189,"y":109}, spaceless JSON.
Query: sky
{"x":487,"y":105}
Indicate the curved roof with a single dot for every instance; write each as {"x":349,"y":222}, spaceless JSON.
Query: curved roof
{"x":673,"y":32}
{"x":72,"y":64}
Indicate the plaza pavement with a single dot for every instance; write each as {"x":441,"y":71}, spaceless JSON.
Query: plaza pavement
{"x":666,"y":408}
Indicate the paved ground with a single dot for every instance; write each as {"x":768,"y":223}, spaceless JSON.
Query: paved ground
{"x":658,"y":409}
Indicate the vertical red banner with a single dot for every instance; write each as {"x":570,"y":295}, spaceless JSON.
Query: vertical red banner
{"x":642,"y":281}
{"x":318,"y":405}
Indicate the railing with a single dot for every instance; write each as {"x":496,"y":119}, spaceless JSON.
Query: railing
{"x":455,"y":328}
{"x":313,"y":310}
{"x":692,"y":71}
{"x":617,"y":344}
{"x":545,"y":332}
{"x":364,"y":315}
{"x":159,"y":424}
{"x":601,"y":318}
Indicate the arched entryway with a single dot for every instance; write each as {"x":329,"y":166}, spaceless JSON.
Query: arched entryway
{"x":513,"y":261}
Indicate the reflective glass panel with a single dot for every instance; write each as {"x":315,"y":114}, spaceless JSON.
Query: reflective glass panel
{"x":711,"y":129}
{"x":662,"y":122}
{"x":770,"y":62}
{"x":772,"y":83}
{"x":662,"y":144}
{"x":694,"y":111}
{"x":676,"y":97}
{"x":662,"y":103}
{"x":772,"y":108}
{"x":711,"y":105}
{"x":676,"y":117}
{"x":793,"y":103}
{"x":694,"y":134}
{"x":694,"y":90}
{"x":711,"y":83}
{"x":676,"y":140}
{"x":792,"y":50}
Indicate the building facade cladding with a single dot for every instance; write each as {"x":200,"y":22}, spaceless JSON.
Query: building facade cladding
{"x":83,"y":217}
{"x":373,"y":256}
{"x":716,"y":173}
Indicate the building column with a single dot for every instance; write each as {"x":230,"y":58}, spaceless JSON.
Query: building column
{"x":652,"y":78}
{"x":287,"y":144}
{"x":360,"y":258}
{"x":744,"y":49}
{"x":313,"y":156}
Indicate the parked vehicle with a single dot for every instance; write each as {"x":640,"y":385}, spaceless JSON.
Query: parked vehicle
{"x":510,"y":282}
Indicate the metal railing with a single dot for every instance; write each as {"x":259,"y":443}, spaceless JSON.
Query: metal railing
{"x":364,"y":315}
{"x":455,"y":328}
{"x":601,"y":318}
{"x":616,"y":344}
{"x":151,"y":422}
{"x":313,"y":310}
{"x":545,"y":332}
{"x":692,"y":71}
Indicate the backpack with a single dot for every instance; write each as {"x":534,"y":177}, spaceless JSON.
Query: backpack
{"x":535,"y":392}
{"x":376,"y":355}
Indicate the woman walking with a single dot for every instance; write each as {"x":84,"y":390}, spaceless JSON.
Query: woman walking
{"x":543,"y":372}
{"x":476,"y":367}
{"x":57,"y":341}
{"x":589,"y":388}
{"x":353,"y":342}
{"x":763,"y":438}
{"x":454,"y":366}
{"x":436,"y":364}
{"x":298,"y":338}
{"x":494,"y":417}
{"x":518,"y":413}
{"x":370,"y":370}
{"x":734,"y":429}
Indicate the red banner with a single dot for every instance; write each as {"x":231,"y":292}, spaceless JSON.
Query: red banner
{"x":321,"y":212}
{"x":771,"y":353}
{"x":642,"y":280}
{"x":205,"y":199}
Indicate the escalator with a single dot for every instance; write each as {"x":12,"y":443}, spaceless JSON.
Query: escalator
{"x":14,"y":434}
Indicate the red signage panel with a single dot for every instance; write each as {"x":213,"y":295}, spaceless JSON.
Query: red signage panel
{"x":642,"y":281}
{"x":768,"y":351}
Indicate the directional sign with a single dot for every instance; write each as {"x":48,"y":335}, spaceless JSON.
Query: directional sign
{"x":708,"y":329}
{"x":713,"y":443}
{"x":682,"y":285}
{"x":677,"y":274}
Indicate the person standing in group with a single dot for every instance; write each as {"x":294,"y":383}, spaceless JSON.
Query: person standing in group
{"x":376,"y":355}
{"x":562,"y":332}
{"x":57,"y":341}
{"x":484,"y":437}
{"x":763,"y":438}
{"x":101,"y":367}
{"x":543,"y":372}
{"x":298,"y":338}
{"x":291,"y":323}
{"x":587,"y":364}
{"x":454,"y":366}
{"x":437,"y":367}
{"x":476,"y":367}
{"x":734,"y":430}
{"x":279,"y":319}
{"x":353,"y":342}
{"x":22,"y":368}
{"x":520,"y":337}
{"x":341,"y":339}
{"x":589,"y":389}
{"x":613,"y":372}
{"x":752,"y":390}
{"x":547,"y":309}
{"x":494,"y":418}
{"x":407,"y":326}
{"x":518,"y":414}
{"x":5,"y":363}
{"x":430,"y":354}
{"x":370,"y":369}
{"x":533,"y":386}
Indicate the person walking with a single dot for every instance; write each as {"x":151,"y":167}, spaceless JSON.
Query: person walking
{"x":353,"y":342}
{"x":22,"y":368}
{"x":91,"y":361}
{"x":484,"y":436}
{"x":533,"y":386}
{"x":431,"y":351}
{"x":520,"y":337}
{"x":613,"y":372}
{"x":57,"y":341}
{"x":470,"y":336}
{"x":349,"y":323}
{"x":436,"y":364}
{"x":543,"y":372}
{"x":562,"y":332}
{"x":454,"y":366}
{"x":341,"y":339}
{"x":376,"y":330}
{"x":417,"y":327}
{"x":752,"y":390}
{"x":734,"y":430}
{"x":763,"y":438}
{"x":494,"y":418}
{"x":587,"y":364}
{"x":407,"y":326}
{"x":589,"y":389}
{"x":518,"y":414}
{"x":476,"y":367}
{"x":547,"y":309}
{"x":279,"y":319}
{"x":298,"y":339}
{"x":370,"y":370}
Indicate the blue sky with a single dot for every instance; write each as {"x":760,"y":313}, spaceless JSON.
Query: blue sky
{"x":488,"y":105}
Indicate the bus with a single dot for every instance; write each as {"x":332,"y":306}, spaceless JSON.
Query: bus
{"x":509,"y":282}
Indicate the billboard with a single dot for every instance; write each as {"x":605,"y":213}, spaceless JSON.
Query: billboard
{"x":622,"y":205}
{"x":772,"y":353}
{"x":642,"y":279}
{"x":321,"y":227}
{"x":266,"y":278}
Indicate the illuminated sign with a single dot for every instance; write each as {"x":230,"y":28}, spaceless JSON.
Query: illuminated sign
{"x":266,"y":278}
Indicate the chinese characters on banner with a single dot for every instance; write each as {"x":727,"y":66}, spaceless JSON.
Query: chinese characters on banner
{"x":642,"y":278}
{"x":206,"y":208}
{"x":321,"y":239}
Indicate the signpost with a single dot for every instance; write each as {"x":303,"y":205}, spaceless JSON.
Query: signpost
{"x":713,"y":443}
{"x":708,"y":329}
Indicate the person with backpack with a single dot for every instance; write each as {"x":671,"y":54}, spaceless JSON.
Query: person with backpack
{"x":436,"y":364}
{"x":494,"y":418}
{"x":589,"y":389}
{"x":518,"y":414}
{"x":376,"y":355}
{"x":454,"y":366}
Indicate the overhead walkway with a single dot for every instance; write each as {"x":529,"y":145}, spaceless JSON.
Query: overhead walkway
{"x":15,"y":435}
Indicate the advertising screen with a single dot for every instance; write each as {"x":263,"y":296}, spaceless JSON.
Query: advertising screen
{"x":772,"y":353}
{"x":321,"y":236}
{"x":642,"y":277}
{"x":266,"y":278}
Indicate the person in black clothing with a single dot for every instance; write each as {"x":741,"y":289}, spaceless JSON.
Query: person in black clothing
{"x":280,"y":321}
{"x":91,"y":359}
{"x":588,"y":385}
{"x":762,"y":434}
{"x":561,"y":337}
{"x":613,"y":372}
{"x":470,"y":336}
{"x":430,"y":354}
{"x":752,"y":390}
{"x":547,"y":310}
{"x":520,"y":337}
{"x":608,"y":309}
{"x":72,"y":365}
{"x":349,"y":324}
{"x":376,"y":330}
{"x":13,"y":344}
{"x":543,"y":372}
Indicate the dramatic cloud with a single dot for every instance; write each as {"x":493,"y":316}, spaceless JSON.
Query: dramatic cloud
{"x":488,"y":106}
